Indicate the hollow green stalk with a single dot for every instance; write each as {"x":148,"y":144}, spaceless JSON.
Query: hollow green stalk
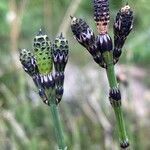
{"x":108,"y":58}
{"x":56,"y":120}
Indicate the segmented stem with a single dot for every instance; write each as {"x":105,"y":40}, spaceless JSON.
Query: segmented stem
{"x":116,"y":104}
{"x":56,"y":121}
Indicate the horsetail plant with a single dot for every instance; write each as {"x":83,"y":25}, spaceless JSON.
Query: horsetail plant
{"x":39,"y":65}
{"x":102,"y":51}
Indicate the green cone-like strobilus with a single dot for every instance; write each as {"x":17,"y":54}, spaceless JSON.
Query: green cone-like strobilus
{"x":43,"y":57}
{"x":42,"y":53}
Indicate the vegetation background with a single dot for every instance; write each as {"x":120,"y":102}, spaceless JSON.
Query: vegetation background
{"x":87,"y":117}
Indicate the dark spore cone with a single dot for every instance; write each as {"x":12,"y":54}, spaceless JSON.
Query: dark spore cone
{"x":60,"y":59}
{"x":85,"y":36}
{"x":122,"y":27}
{"x":28,"y":62}
{"x":101,"y":10}
{"x":101,"y":15}
{"x":82,"y":32}
{"x":60,"y":53}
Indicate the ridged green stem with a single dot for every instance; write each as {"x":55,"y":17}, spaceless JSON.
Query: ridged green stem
{"x":56,"y":121}
{"x":57,"y":126}
{"x":108,"y":58}
{"x":55,"y":116}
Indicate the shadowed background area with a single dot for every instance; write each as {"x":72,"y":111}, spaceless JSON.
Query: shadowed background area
{"x":87,"y":117}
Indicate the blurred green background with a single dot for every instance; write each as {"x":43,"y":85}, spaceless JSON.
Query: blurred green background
{"x":87,"y":117}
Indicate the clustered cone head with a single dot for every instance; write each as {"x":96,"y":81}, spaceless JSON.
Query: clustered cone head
{"x":103,"y":42}
{"x":39,"y":64}
{"x":101,"y":15}
{"x":42,"y":53}
{"x":122,"y":27}
{"x":60,"y":53}
{"x":28,"y":62}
